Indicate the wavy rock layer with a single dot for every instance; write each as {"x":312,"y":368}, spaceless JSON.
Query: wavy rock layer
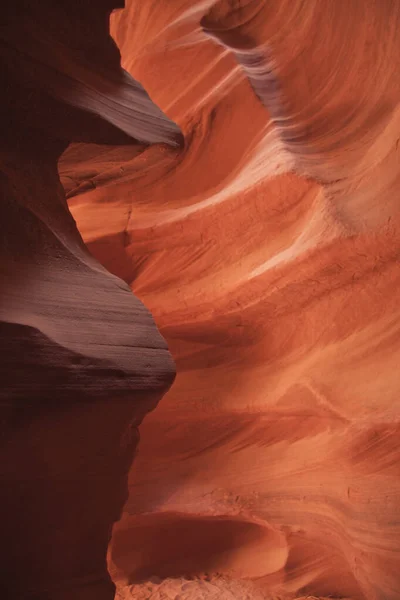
{"x":268,"y":253}
{"x":82,"y":361}
{"x":65,"y":71}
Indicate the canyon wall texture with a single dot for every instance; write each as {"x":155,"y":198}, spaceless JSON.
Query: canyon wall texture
{"x":266,"y":246}
{"x":267,"y":251}
{"x":82,"y":361}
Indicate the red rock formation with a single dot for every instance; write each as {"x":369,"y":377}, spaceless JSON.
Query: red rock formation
{"x":268,"y":253}
{"x":267,"y":250}
{"x":82,"y":360}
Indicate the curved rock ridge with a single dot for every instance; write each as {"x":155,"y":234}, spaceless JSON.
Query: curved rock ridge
{"x":82,"y":359}
{"x":81,"y":69}
{"x":267,"y":251}
{"x":341,"y":133}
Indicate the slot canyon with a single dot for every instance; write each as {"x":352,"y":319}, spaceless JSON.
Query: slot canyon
{"x":200,"y":300}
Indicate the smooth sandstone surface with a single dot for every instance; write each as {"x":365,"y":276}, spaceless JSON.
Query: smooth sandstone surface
{"x":82,"y":360}
{"x":267,"y":250}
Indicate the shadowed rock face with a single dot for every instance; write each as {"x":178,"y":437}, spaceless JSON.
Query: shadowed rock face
{"x":60,"y":58}
{"x":82,"y":360}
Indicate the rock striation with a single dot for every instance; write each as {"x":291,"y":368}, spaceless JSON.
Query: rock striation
{"x":82,"y":359}
{"x":266,"y":248}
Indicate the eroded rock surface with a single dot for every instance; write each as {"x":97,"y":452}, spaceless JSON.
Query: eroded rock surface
{"x":267,"y":250}
{"x":268,"y":253}
{"x":82,"y":360}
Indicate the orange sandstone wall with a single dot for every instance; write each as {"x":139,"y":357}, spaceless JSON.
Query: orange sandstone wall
{"x":267,"y":250}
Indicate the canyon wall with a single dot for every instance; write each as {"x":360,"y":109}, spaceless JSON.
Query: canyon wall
{"x":267,"y":251}
{"x":82,"y":361}
{"x":239,"y":175}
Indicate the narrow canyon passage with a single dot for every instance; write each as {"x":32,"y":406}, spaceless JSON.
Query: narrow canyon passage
{"x":240,"y":175}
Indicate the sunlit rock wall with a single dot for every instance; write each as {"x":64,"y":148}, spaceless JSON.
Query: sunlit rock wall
{"x":267,"y":251}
